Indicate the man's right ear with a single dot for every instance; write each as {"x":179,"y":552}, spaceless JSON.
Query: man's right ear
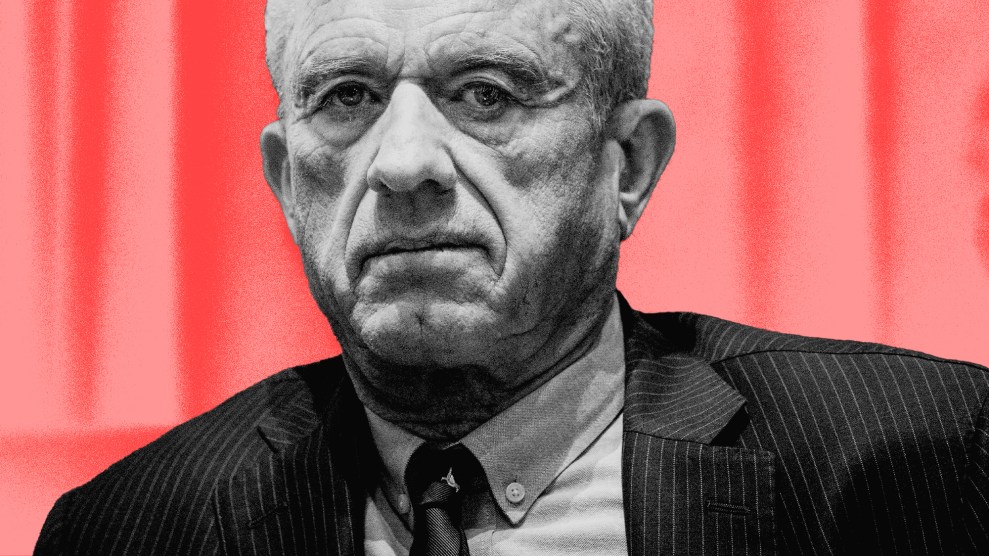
{"x":274,"y":156}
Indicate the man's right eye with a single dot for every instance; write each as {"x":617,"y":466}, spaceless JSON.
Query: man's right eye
{"x":348,"y":94}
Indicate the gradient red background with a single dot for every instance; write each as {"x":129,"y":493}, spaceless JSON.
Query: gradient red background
{"x":831,"y":178}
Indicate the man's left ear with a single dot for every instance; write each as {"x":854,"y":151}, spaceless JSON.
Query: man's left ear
{"x":645,"y":133}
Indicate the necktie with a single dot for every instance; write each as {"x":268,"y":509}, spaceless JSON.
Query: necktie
{"x":434,"y":478}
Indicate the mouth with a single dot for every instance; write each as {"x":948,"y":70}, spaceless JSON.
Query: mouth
{"x":413,"y":246}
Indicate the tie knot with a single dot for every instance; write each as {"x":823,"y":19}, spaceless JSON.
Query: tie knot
{"x":436,"y":476}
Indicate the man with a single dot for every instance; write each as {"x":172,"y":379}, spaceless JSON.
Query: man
{"x":458,"y":177}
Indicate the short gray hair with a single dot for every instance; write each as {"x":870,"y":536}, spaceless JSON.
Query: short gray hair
{"x":615,"y":48}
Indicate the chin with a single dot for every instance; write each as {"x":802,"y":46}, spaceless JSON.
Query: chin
{"x":432,"y":334}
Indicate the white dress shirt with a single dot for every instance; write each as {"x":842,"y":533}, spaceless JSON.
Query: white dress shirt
{"x":552,"y":462}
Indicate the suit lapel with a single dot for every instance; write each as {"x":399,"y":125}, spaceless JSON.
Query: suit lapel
{"x":308,"y":495}
{"x":686,"y":488}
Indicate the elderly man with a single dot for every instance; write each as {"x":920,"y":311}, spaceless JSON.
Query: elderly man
{"x":458,"y":177}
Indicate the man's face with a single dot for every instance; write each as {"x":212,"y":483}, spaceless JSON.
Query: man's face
{"x":442,"y":177}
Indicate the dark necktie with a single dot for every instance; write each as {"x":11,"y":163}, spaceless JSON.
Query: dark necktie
{"x":434,"y":478}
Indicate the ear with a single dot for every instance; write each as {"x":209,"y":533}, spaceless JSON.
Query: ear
{"x":274,"y":155}
{"x":645,"y":133}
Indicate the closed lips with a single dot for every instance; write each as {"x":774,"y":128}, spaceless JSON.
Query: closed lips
{"x":403,"y":246}
{"x":433,"y":242}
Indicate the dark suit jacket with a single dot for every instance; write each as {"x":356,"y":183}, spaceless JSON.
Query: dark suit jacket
{"x":737,"y":440}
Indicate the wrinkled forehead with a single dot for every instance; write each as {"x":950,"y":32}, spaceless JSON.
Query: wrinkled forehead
{"x":409,"y":37}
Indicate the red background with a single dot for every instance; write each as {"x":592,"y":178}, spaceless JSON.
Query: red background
{"x":831,"y":178}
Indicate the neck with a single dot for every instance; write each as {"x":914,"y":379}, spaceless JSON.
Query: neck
{"x":445,"y":404}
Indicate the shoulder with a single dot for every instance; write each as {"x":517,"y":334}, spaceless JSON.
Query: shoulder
{"x":856,"y":432}
{"x":807,"y":375}
{"x":719,"y":340}
{"x":158,"y":496}
{"x":219,"y":439}
{"x":859,"y":432}
{"x":730,"y":345}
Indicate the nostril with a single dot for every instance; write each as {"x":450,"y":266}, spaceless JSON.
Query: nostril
{"x":431,"y":186}
{"x":437,"y":187}
{"x":377,"y":186}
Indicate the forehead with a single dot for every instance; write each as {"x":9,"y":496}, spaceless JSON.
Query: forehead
{"x":411,"y":36}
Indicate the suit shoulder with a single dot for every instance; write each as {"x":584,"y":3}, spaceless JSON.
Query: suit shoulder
{"x":864,"y":430}
{"x":719,"y":340}
{"x":160,"y":493}
{"x":231,"y":426}
{"x":218,"y":430}
{"x":763,"y":363}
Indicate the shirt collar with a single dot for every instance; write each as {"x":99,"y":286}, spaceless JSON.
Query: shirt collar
{"x":531,"y":442}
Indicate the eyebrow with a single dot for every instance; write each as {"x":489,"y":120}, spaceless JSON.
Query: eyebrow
{"x":523,"y":70}
{"x":318,"y":70}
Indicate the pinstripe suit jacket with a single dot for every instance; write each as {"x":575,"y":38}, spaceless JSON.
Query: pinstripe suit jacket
{"x":737,"y":440}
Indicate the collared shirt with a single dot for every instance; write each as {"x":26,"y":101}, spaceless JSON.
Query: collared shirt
{"x":552,"y":462}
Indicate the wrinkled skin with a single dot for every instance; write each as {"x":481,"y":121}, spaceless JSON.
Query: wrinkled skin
{"x":457,"y":211}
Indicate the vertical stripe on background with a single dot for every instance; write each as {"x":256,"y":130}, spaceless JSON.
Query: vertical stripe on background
{"x":208,"y":115}
{"x":979,"y":159}
{"x":85,"y":186}
{"x":55,"y":138}
{"x":32,"y":396}
{"x":880,"y":27}
{"x":138,"y":383}
{"x":939,"y":72}
{"x":244,"y":310}
{"x":17,"y":293}
{"x":49,"y":384}
{"x":762,"y":131}
{"x":804,"y":170}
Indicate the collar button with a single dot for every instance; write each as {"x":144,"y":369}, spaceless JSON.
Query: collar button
{"x":515,"y":493}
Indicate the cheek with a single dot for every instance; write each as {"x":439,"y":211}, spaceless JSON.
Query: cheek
{"x":316,"y":194}
{"x":566,"y":234}
{"x":322,"y":198}
{"x":318,"y":169}
{"x":558,"y":190}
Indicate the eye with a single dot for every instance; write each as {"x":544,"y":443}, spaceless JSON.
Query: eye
{"x":348,"y":94}
{"x":483,"y":95}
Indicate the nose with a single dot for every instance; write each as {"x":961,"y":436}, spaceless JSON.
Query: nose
{"x":412,"y":152}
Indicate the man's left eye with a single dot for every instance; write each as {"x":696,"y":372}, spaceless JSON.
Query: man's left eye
{"x":483,"y":95}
